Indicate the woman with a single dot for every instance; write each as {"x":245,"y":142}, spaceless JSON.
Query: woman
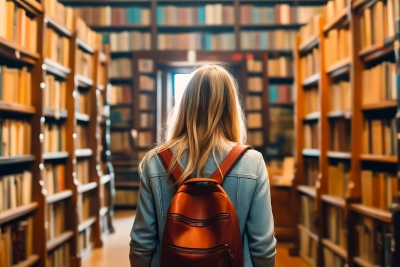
{"x":207,"y":125}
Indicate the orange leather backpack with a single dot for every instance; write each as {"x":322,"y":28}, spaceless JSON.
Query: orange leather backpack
{"x":202,"y":228}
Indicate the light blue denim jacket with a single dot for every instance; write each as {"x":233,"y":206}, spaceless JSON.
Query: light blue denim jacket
{"x":248,"y":188}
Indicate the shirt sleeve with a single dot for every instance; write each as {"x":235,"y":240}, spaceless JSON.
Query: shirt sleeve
{"x":260,"y":222}
{"x":144,"y":230}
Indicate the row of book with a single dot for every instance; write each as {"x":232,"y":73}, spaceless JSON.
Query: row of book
{"x":83,"y":207}
{"x":254,"y":65}
{"x":60,"y":13}
{"x":54,"y":178}
{"x":311,"y":100}
{"x":90,"y":37}
{"x":84,"y":64}
{"x":82,"y":171}
{"x":311,"y":171}
{"x":280,"y":93}
{"x":146,"y":83}
{"x":15,"y":137}
{"x":59,"y":257}
{"x":197,"y":41}
{"x":55,"y":220}
{"x":54,"y":138}
{"x":379,"y":137}
{"x":55,"y":93}
{"x":338,"y":179}
{"x":126,"y":198}
{"x":120,"y":142}
{"x":15,"y":85}
{"x":56,"y":47}
{"x":146,"y":101}
{"x":128,"y":41}
{"x":340,"y":97}
{"x":121,"y":68}
{"x":379,"y":83}
{"x":336,"y":230}
{"x":17,"y":26}
{"x":340,"y":131}
{"x":145,"y":65}
{"x":255,"y":138}
{"x":278,"y":14}
{"x":308,"y":213}
{"x":145,"y":139}
{"x":114,"y":16}
{"x":83,"y":104}
{"x":334,"y":8}
{"x":308,"y":246}
{"x":120,"y":116}
{"x":310,"y":64}
{"x":280,"y":172}
{"x":274,"y":39}
{"x":375,"y":242}
{"x":378,"y":189}
{"x":120,"y":94}
{"x":16,"y":243}
{"x":311,"y":29}
{"x":253,"y":102}
{"x":16,"y":190}
{"x":281,"y":131}
{"x":280,"y":67}
{"x":82,"y":136}
{"x":85,"y":244}
{"x":255,"y":84}
{"x":210,"y":14}
{"x":254,"y":120}
{"x":337,"y":46}
{"x":377,"y":22}
{"x":146,"y":120}
{"x":311,"y":133}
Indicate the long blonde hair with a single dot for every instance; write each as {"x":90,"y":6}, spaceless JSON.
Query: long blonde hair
{"x":208,"y":116}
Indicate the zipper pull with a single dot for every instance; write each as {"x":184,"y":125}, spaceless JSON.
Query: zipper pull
{"x":230,"y":257}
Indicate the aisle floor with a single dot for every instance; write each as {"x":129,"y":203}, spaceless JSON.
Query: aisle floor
{"x":115,"y":249}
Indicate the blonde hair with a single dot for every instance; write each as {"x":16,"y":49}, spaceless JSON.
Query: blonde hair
{"x":209,"y":116}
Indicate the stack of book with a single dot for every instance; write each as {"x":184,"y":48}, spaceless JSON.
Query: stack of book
{"x":379,"y":137}
{"x":129,"y":41}
{"x":254,"y":65}
{"x":54,"y":138}
{"x":120,"y":94}
{"x":146,"y":83}
{"x":311,"y":28}
{"x":340,"y":96}
{"x":379,"y":83}
{"x":121,"y":68}
{"x":280,"y":67}
{"x":16,"y":190}
{"x":197,"y":41}
{"x":56,"y":47}
{"x":15,"y":85}
{"x":310,"y":64}
{"x":273,"y":40}
{"x":87,"y":35}
{"x":60,"y":13}
{"x":56,"y":220}
{"x":210,"y":14}
{"x":114,"y":16}
{"x":55,"y":93}
{"x":15,"y":138}
{"x":337,"y":46}
{"x":280,"y":93}
{"x":255,"y":84}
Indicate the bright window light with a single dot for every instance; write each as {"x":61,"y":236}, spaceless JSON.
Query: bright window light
{"x":180,"y":82}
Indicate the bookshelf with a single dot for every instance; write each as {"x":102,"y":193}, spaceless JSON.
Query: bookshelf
{"x":39,"y":128}
{"x":351,"y":190}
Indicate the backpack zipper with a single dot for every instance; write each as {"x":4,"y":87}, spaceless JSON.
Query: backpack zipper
{"x":199,"y":223}
{"x":197,"y":250}
{"x":230,"y":257}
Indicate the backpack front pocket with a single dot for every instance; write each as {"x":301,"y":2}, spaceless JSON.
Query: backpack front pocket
{"x":199,"y":257}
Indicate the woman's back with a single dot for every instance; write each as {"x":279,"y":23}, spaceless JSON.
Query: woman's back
{"x":248,"y":189}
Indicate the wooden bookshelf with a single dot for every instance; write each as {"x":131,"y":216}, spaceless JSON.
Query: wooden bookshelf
{"x":351,"y":202}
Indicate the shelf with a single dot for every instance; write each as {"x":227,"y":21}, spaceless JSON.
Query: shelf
{"x":127,"y":184}
{"x":381,"y":215}
{"x":273,"y":2}
{"x":121,"y":127}
{"x":121,"y":80}
{"x":55,"y":113}
{"x":380,"y":105}
{"x":16,"y":159}
{"x":131,"y":162}
{"x":281,"y":80}
{"x":295,"y":26}
{"x":30,"y":261}
{"x":379,"y":158}
{"x":103,"y":211}
{"x":338,"y":250}
{"x":18,"y":212}
{"x":105,"y":179}
{"x":339,"y":20}
{"x":17,"y":53}
{"x":277,"y":104}
{"x":312,"y":80}
{"x":120,"y":28}
{"x":86,"y":152}
{"x":86,"y":187}
{"x":82,"y":117}
{"x":86,"y":224}
{"x":194,"y":28}
{"x":59,"y":241}
{"x":339,"y":155}
{"x":100,"y":87}
{"x":59,"y":28}
{"x":311,"y":152}
{"x":334,"y":200}
{"x":309,"y":44}
{"x":312,"y":116}
{"x":60,"y":196}
{"x":147,"y":110}
{"x":363,"y":263}
{"x":56,"y":68}
{"x":197,"y":2}
{"x":121,"y":105}
{"x":83,"y":82}
{"x":345,"y":114}
{"x":11,"y":107}
{"x":377,"y":51}
{"x":339,"y":68}
{"x":31,"y":6}
{"x":84,"y":46}
{"x":310,"y":191}
{"x":309,"y":233}
{"x":123,"y":3}
{"x":55,"y":155}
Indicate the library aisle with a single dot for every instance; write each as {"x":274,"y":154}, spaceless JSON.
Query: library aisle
{"x":115,"y":249}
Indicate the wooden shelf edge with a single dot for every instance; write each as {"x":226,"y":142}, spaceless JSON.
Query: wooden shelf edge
{"x":16,"y":159}
{"x":82,"y":117}
{"x":30,"y":5}
{"x":127,"y":184}
{"x":339,"y":20}
{"x":346,"y":114}
{"x":381,"y":215}
{"x":83,"y":188}
{"x":30,"y":261}
{"x":363,"y":263}
{"x":338,"y":250}
{"x":58,"y":196}
{"x":309,"y":44}
{"x":12,"y":107}
{"x":309,"y":233}
{"x":377,"y":51}
{"x":86,"y":47}
{"x":105,"y":179}
{"x":312,"y":116}
{"x":310,"y":191}
{"x":339,"y":68}
{"x":12,"y":214}
{"x":61,"y":29}
{"x":103,"y":211}
{"x":85,"y":152}
{"x":55,"y":155}
{"x":86,"y":224}
{"x":83,"y":81}
{"x":56,"y":68}
{"x":59,"y":241}
{"x":55,"y":113}
{"x":334,"y":200}
{"x":312,"y":80}
{"x":339,"y":155}
{"x":17,"y":53}
{"x":311,"y":152}
{"x":390,"y":104}
{"x":379,"y":158}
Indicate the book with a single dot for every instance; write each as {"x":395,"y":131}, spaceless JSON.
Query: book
{"x":55,"y":93}
{"x":254,"y":103}
{"x":16,"y":85}
{"x":120,"y":94}
{"x":311,"y":171}
{"x":196,"y":41}
{"x":129,"y":41}
{"x":56,"y":47}
{"x":255,"y":138}
{"x":59,"y":256}
{"x":255,"y":84}
{"x":145,"y":65}
{"x":146,"y":83}
{"x":88,"y":36}
{"x":55,"y":220}
{"x":15,"y":138}
{"x":254,"y":120}
{"x":114,"y":16}
{"x":262,"y":40}
{"x":311,"y":135}
{"x":310,"y":64}
{"x":120,"y":116}
{"x":54,"y":178}
{"x":120,"y":142}
{"x":378,"y":189}
{"x":145,"y":139}
{"x":311,"y":100}
{"x":82,"y":132}
{"x":82,"y":171}
{"x":338,"y":179}
{"x":337,"y":43}
{"x":340,"y":133}
{"x":280,"y":67}
{"x":340,"y":96}
{"x":16,"y":190}
{"x":281,"y":131}
{"x":280,"y":93}
{"x":311,"y":28}
{"x":60,"y":13}
{"x":126,"y":198}
{"x":379,"y":137}
{"x":254,"y":65}
{"x":121,"y":68}
{"x":54,"y":137}
{"x":84,"y":63}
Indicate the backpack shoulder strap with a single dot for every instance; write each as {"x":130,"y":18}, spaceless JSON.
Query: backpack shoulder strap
{"x":166,"y":156}
{"x":228,"y":163}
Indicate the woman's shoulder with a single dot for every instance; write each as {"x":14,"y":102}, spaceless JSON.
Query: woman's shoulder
{"x":152,"y":165}
{"x":249,"y":164}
